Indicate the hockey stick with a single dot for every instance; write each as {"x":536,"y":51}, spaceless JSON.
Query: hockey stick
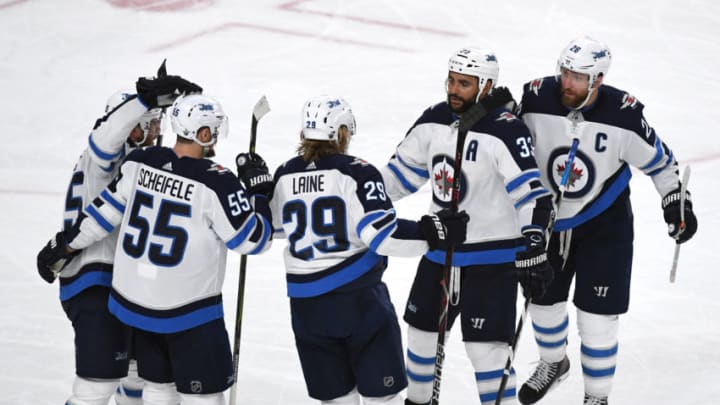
{"x":261,"y":108}
{"x":162,"y":72}
{"x":467,"y":121}
{"x":523,"y":315}
{"x":683,"y":190}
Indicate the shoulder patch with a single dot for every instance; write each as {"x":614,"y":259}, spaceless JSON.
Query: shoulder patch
{"x":361,"y":162}
{"x":506,"y":116}
{"x":535,"y":85}
{"x":216,"y":167}
{"x":628,"y":100}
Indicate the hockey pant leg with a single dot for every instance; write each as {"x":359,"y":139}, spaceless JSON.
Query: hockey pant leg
{"x":92,"y":392}
{"x":550,"y":325}
{"x":129,"y":392}
{"x":488,"y":360}
{"x":160,"y":394}
{"x":421,"y":351}
{"x":599,"y":346}
{"x":351,"y":398}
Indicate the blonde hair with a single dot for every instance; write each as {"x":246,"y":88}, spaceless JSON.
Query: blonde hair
{"x":312,"y":150}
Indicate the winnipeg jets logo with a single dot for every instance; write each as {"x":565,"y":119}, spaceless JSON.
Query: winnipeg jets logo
{"x":581,"y":175}
{"x":535,"y":86}
{"x":442,"y":178}
{"x":575,"y":174}
{"x":506,"y":116}
{"x":628,"y":101}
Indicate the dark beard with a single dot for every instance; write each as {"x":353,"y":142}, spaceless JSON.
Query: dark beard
{"x":464,"y":107}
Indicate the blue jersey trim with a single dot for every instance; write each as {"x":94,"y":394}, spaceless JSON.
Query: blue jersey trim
{"x":368,"y":219}
{"x":533,"y":195}
{"x":267,"y":227}
{"x":87,"y":280}
{"x":669,"y":161}
{"x":405,"y":183}
{"x":104,"y":224}
{"x":520,"y":180}
{"x":495,"y":256}
{"x":658,"y":155}
{"x":165,"y":325}
{"x":599,"y":206}
{"x":115,"y":203}
{"x":381,"y":236}
{"x":242,"y":235}
{"x":420,"y":172}
{"x":100,"y":153}
{"x":326,"y":284}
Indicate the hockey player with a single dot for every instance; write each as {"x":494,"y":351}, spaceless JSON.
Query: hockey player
{"x":177,"y":214}
{"x":101,"y":341}
{"x":341,"y":226}
{"x":592,"y":239}
{"x":509,"y":213}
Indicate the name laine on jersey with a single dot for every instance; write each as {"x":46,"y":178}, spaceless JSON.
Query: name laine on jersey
{"x":168,"y":185}
{"x":308,"y":184}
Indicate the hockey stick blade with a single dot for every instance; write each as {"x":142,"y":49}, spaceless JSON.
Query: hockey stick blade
{"x":683,"y":190}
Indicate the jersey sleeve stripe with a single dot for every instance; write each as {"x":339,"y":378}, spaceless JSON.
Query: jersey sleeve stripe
{"x":522,"y":179}
{"x":403,"y":181}
{"x":531,"y":196}
{"x":266,"y":235}
{"x":369,"y":219}
{"x":420,"y":172}
{"x":112,"y":201}
{"x":658,"y":155}
{"x":104,"y":224}
{"x":382,"y":235}
{"x":243,"y":234}
{"x":100,"y":153}
{"x":670,"y":160}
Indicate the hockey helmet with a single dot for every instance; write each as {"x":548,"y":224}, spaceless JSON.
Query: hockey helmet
{"x":323,"y":116}
{"x":477,"y":62}
{"x":587,"y":56}
{"x":192,"y":112}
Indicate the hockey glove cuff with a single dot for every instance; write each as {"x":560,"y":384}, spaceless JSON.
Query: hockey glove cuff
{"x":677,"y":229}
{"x":498,"y":97}
{"x":162,"y":91}
{"x":445,"y":229}
{"x":254,"y":174}
{"x":53,"y":257}
{"x":534,"y":270}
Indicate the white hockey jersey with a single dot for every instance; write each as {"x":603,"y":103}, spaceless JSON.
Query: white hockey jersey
{"x":177,"y":217}
{"x":499,"y":188}
{"x":96,"y":167}
{"x":339,"y":223}
{"x":613,"y":135}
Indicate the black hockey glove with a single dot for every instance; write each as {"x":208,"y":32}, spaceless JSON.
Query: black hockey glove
{"x":53,"y":257}
{"x":671,"y":211}
{"x":162,"y":91}
{"x":499,"y":97}
{"x":254,"y":174}
{"x":445,"y":229}
{"x":534,"y":270}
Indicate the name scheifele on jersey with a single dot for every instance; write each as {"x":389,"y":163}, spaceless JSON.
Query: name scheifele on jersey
{"x":165,"y":184}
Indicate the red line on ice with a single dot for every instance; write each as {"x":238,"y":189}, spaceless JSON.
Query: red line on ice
{"x":11,"y":3}
{"x":231,"y":25}
{"x":294,"y":7}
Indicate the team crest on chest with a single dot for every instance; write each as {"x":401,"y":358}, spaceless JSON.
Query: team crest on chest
{"x":581,"y":176}
{"x":442,"y":177}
